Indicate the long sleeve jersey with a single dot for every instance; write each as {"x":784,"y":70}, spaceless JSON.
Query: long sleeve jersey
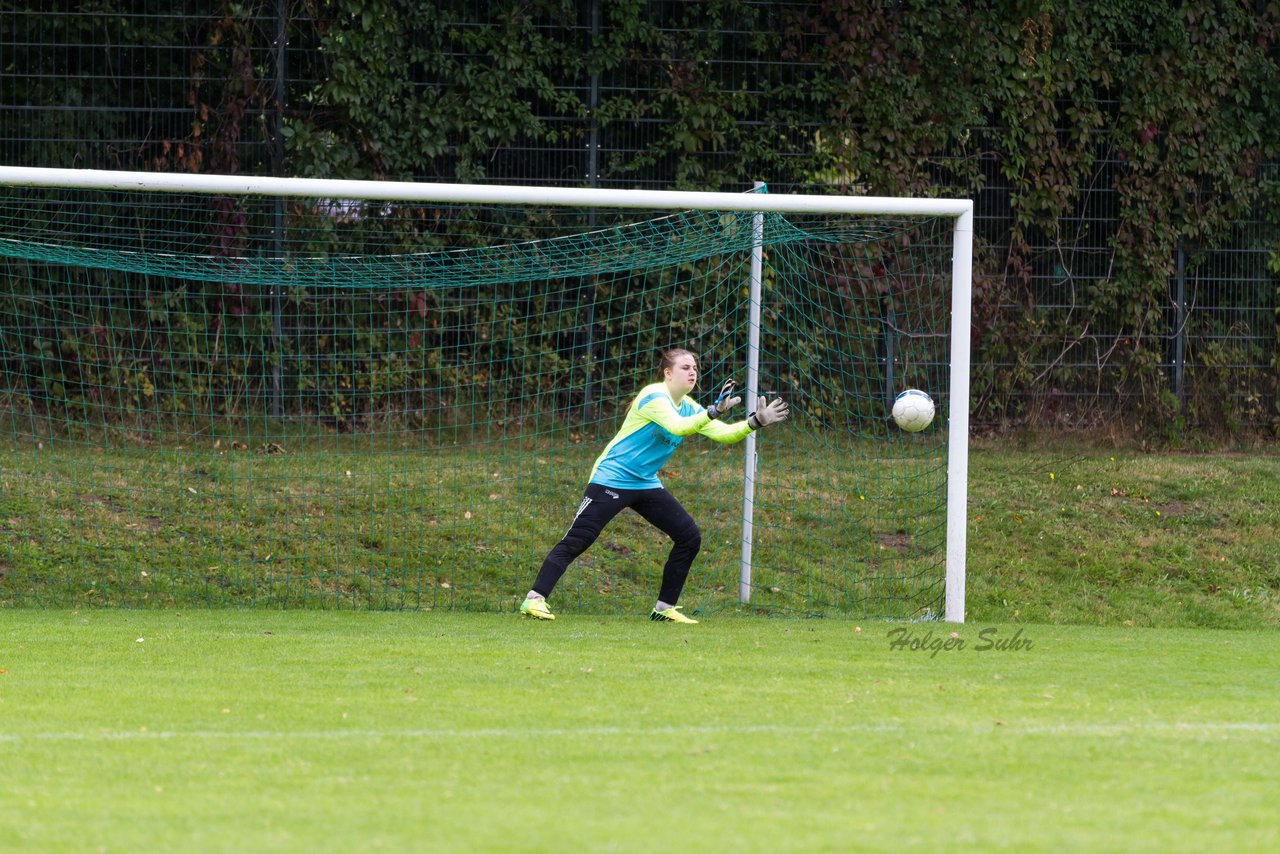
{"x":654,"y":427}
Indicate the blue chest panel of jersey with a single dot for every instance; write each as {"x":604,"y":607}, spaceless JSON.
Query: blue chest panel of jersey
{"x":634,"y":456}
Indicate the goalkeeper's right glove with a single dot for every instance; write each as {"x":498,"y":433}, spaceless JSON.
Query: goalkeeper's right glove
{"x":768,"y":414}
{"x":726,"y":401}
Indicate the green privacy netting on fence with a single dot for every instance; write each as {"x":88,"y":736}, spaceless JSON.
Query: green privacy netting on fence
{"x":264,"y":400}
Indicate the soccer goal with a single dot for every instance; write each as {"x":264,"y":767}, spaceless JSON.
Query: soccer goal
{"x":311,"y":393}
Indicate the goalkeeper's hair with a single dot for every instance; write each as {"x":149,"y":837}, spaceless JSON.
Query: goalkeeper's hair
{"x":669,"y":359}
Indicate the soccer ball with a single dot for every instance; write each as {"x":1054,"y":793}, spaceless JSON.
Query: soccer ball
{"x":913,"y":410}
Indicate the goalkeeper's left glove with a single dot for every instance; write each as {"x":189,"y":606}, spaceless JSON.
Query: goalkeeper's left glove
{"x":767,"y":414}
{"x":726,"y":401}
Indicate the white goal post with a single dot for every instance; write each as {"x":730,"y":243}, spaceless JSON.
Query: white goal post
{"x":960,"y":211}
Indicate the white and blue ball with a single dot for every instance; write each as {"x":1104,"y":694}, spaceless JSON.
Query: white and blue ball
{"x":913,"y":410}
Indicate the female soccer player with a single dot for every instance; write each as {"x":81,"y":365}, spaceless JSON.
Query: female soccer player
{"x":626,"y":475}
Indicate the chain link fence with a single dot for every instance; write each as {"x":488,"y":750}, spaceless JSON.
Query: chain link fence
{"x":118,"y":86}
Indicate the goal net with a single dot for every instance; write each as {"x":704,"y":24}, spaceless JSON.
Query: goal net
{"x":224,"y":391}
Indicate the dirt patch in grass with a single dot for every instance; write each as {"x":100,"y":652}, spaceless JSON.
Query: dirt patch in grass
{"x":898,"y":542}
{"x":1174,"y":509}
{"x":618,"y":548}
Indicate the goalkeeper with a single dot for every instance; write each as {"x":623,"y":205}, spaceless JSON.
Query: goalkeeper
{"x":626,"y":475}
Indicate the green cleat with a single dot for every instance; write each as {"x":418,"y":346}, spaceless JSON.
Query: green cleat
{"x":536,"y":608}
{"x":670,"y":615}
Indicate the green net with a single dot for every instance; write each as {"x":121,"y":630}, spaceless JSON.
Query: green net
{"x":292,"y":402}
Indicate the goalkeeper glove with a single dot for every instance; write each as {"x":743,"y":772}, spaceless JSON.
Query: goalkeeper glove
{"x":768,"y":414}
{"x":726,"y":401}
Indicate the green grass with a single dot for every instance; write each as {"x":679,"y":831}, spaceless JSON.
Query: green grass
{"x":1058,"y":533}
{"x":1087,"y":534}
{"x":320,"y":731}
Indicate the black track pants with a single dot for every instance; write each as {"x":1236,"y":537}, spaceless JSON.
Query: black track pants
{"x":599,"y":505}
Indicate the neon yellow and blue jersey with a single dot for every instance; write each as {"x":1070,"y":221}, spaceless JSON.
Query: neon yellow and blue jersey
{"x":654,"y":427}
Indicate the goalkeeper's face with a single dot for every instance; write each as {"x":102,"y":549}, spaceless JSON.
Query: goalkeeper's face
{"x":682,"y":378}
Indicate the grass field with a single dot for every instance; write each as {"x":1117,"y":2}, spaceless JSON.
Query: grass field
{"x":1112,"y":690}
{"x":1058,"y":532}
{"x":321,"y":731}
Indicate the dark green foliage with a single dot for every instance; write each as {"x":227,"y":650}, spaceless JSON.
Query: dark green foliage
{"x":1101,"y":140}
